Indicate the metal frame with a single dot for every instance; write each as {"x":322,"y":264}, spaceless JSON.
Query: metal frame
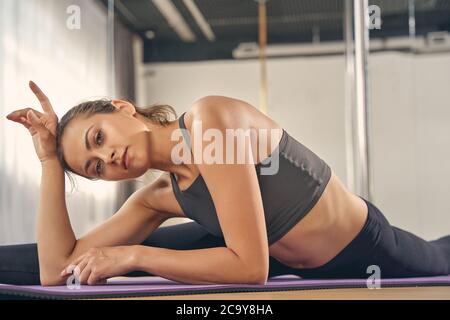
{"x":357,"y":98}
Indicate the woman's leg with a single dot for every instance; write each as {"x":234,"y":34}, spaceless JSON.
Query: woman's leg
{"x":403,"y":254}
{"x":19,"y":263}
{"x":396,"y":252}
{"x":400,"y":253}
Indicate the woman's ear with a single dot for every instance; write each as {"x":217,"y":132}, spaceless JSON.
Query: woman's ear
{"x":123,"y":105}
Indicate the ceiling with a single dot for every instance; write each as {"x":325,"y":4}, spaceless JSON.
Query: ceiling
{"x":234,"y":21}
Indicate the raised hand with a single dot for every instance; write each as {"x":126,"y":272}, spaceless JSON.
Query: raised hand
{"x":42,"y":126}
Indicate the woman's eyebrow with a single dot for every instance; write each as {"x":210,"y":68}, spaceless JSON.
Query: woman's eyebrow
{"x":86,"y":166}
{"x":88,"y":147}
{"x":86,"y":140}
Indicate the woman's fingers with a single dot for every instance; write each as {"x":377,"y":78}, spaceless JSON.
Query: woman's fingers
{"x":50,"y":119}
{"x":85,"y":272}
{"x":33,"y":118}
{"x":44,"y":101}
{"x":36,"y":123}
{"x":15,"y":115}
{"x":22,"y":120}
{"x":75,"y":262}
{"x":83,"y":268}
{"x":68,"y":269}
{"x":94,"y":278}
{"x":25,"y":122}
{"x":80,"y":270}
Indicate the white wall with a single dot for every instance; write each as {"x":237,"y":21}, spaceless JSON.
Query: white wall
{"x":411,"y":140}
{"x":313,"y":115}
{"x":306,"y":97}
{"x":70,"y":66}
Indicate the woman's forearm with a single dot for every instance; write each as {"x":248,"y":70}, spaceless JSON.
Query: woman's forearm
{"x":55,"y":237}
{"x":218,"y":265}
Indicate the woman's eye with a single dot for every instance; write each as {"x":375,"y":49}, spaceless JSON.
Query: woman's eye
{"x":99,"y":138}
{"x":98,"y":168}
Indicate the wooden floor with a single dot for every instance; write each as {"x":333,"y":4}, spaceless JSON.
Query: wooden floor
{"x":408,"y":293}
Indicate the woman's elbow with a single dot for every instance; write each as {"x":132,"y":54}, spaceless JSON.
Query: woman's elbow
{"x":259,"y":276}
{"x":47,"y":281}
{"x":50,"y":272}
{"x":261,"y":279}
{"x":51,"y":278}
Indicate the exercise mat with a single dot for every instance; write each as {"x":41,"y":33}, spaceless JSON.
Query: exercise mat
{"x":156,"y":286}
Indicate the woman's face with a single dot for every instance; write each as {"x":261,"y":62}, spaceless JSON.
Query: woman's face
{"x":94,"y":146}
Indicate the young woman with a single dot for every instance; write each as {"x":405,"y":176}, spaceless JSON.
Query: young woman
{"x":248,"y":225}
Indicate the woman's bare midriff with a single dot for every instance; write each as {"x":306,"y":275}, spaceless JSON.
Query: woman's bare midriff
{"x":333,"y":222}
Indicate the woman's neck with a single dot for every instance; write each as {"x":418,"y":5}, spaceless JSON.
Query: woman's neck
{"x":161,"y":146}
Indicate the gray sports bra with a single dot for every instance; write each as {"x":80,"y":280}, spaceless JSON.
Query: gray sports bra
{"x":288,"y":195}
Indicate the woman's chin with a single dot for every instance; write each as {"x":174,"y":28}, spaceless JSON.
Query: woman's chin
{"x":135,"y":174}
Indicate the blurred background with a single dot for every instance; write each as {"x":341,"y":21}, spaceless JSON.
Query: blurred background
{"x":364,"y":84}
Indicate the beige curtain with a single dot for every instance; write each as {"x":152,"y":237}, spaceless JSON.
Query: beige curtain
{"x":71,"y":65}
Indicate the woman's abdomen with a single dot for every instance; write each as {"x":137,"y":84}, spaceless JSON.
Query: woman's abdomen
{"x":332,"y":223}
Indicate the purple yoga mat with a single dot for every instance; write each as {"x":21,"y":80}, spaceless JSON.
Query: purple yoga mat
{"x":157,"y":286}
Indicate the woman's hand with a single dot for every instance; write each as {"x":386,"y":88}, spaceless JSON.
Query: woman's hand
{"x":42,"y":126}
{"x":99,"y":264}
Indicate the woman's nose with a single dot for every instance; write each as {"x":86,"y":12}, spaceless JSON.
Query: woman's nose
{"x":109,"y":156}
{"x":112,"y":157}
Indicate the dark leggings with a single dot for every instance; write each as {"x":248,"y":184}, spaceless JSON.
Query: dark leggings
{"x":396,"y":252}
{"x":19,"y":263}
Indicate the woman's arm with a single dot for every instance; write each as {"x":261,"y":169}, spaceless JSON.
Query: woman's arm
{"x":57,"y":245}
{"x":55,"y":237}
{"x":235,"y":191}
{"x":142,"y":213}
{"x":56,"y":242}
{"x":200,"y":266}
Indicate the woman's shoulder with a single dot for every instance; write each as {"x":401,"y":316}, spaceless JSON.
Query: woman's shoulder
{"x":158,"y":195}
{"x":231,"y":112}
{"x":213,"y":104}
{"x":227,"y":112}
{"x":240,"y":117}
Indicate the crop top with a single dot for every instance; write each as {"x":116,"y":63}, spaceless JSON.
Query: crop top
{"x":287,"y":196}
